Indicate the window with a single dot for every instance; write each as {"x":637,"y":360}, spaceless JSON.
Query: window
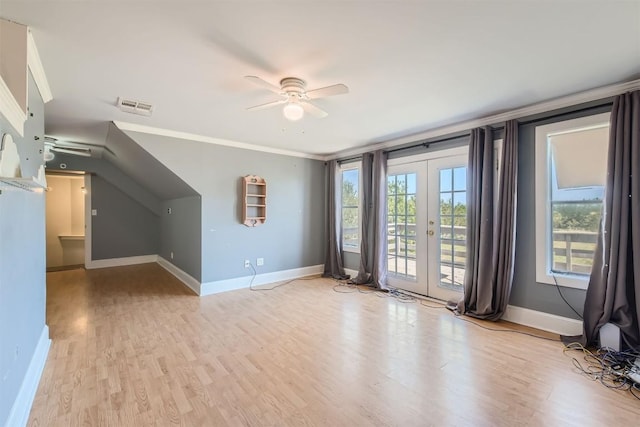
{"x":571,"y":162}
{"x":351,"y":207}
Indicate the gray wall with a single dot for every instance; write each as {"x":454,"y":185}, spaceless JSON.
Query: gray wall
{"x":123,"y":227}
{"x":128,"y":221}
{"x":351,"y":260}
{"x":293,"y":235}
{"x":181,"y":234}
{"x":22,"y":262}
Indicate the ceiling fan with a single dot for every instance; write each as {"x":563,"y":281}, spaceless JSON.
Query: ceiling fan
{"x":295,"y":96}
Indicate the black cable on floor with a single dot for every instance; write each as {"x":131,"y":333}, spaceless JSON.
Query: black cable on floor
{"x":609,"y":367}
{"x":564,"y":299}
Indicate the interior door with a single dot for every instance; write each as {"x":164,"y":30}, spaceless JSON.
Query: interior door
{"x":426,"y":226}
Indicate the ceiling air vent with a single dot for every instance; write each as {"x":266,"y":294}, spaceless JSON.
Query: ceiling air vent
{"x":135,"y":107}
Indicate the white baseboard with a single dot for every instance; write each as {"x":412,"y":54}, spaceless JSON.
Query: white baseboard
{"x":21,"y":408}
{"x":184,"y":277}
{"x":352,"y":273}
{"x":544,"y":321}
{"x":118,"y":262}
{"x":218,"y":286}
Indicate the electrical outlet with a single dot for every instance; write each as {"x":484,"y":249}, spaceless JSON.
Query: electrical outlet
{"x":169,"y":211}
{"x":260,"y":261}
{"x":171,"y":255}
{"x":247,"y":263}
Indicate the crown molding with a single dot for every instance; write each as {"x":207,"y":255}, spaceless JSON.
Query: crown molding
{"x":37,"y":70}
{"x":132,"y":127}
{"x":530,"y":110}
{"x":10,"y":109}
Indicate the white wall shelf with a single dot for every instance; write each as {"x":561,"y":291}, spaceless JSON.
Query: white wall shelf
{"x":71,"y":237}
{"x":254,"y":200}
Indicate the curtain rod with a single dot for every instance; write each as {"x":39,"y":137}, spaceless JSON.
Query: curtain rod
{"x":426,"y":144}
{"x":554,"y":116}
{"x":349,"y":159}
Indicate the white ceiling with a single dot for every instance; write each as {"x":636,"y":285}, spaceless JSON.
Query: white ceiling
{"x":411,"y":66}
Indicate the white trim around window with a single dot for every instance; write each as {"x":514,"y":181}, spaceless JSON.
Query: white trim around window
{"x":345,"y":167}
{"x":543,"y":184}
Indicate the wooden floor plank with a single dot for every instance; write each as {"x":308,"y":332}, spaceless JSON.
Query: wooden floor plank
{"x":131,"y":346}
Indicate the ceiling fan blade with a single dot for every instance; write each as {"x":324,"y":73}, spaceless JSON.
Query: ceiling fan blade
{"x":338,"y":89}
{"x":267,"y":105}
{"x":263,"y":84}
{"x":313,"y":110}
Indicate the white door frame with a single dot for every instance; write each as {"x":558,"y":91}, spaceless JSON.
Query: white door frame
{"x":427,"y":273}
{"x":87,"y":220}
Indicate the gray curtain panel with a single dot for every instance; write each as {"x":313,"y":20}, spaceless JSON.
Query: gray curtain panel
{"x":379,"y":219}
{"x":367,"y":231}
{"x":613,"y":294}
{"x":490,"y":240}
{"x":505,"y":222}
{"x":478,"y":295}
{"x":333,"y":266}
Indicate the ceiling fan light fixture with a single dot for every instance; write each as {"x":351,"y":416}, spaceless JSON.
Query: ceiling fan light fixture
{"x":296,"y":98}
{"x":293,"y":111}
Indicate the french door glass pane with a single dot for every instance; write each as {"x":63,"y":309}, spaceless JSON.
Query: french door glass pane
{"x":401,"y":224}
{"x":453,"y":230}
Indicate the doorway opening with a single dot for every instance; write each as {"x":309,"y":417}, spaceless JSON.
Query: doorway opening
{"x":65,"y":221}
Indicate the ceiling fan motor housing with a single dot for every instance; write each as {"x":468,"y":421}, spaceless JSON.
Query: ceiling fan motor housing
{"x":293,"y":87}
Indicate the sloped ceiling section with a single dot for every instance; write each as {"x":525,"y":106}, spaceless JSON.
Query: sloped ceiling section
{"x":143,"y":167}
{"x":109,"y":173}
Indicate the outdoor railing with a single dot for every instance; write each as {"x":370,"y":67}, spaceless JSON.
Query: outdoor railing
{"x":572,"y":249}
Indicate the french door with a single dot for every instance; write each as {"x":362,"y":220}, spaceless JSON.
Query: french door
{"x":426,"y":226}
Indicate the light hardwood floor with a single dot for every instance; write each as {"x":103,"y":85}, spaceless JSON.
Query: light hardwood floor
{"x":132,"y":347}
